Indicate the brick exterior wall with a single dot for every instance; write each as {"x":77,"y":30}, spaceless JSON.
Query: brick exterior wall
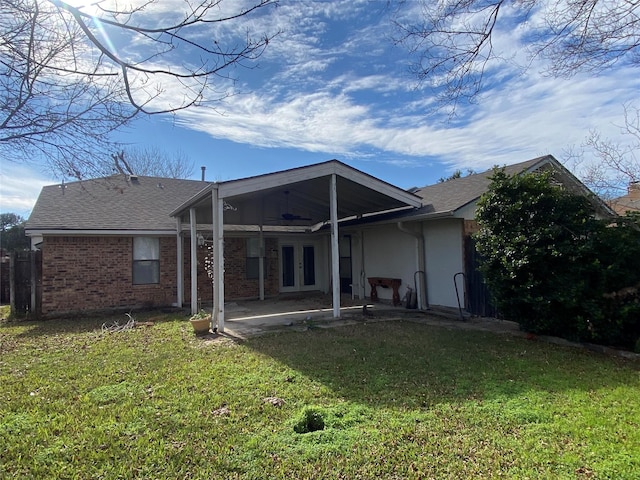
{"x":82,"y":274}
{"x":95,"y":273}
{"x":236,"y":284}
{"x":470,"y":227}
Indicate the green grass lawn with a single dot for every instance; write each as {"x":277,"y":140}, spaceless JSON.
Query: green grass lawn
{"x":397,"y":399}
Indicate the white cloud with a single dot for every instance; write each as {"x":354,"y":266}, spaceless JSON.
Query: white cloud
{"x":346,"y":93}
{"x":532,"y":116}
{"x":19,"y":188}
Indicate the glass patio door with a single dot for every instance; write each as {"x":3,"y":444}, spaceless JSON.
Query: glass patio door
{"x":297,"y":266}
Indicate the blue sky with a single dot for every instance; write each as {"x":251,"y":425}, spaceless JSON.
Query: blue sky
{"x":333,"y":85}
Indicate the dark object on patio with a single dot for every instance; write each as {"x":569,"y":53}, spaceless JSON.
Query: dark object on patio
{"x":385,"y":283}
{"x":366,"y":312}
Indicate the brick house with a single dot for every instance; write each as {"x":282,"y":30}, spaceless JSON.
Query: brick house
{"x":630,"y":202}
{"x":110,"y":243}
{"x":132,"y":241}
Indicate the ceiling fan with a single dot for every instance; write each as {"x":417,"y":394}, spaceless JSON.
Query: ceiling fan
{"x":287,"y":215}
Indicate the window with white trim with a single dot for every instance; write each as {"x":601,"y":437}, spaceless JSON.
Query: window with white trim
{"x":253,"y":259}
{"x":146,"y":260}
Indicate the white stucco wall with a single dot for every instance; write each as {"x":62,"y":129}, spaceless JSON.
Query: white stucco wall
{"x":444,"y":256}
{"x":388,"y":252}
{"x":468,"y":212}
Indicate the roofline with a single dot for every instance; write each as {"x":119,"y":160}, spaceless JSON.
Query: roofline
{"x":66,"y":231}
{"x":591,"y":196}
{"x":430,"y":216}
{"x":550,"y":159}
{"x":126,"y":176}
{"x":128,"y":233}
{"x":393,"y":220}
{"x":540,"y":161}
{"x":230,"y":188}
{"x":202,"y":194}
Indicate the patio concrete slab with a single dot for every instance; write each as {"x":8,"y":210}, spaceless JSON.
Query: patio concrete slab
{"x":244,"y":319}
{"x":300,"y":311}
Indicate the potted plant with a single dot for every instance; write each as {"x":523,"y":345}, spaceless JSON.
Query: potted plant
{"x":201,"y":322}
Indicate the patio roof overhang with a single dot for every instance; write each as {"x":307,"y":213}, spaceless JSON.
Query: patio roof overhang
{"x":298,"y":196}
{"x":314,"y":195}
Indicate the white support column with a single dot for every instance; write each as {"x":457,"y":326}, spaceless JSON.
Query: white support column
{"x":179,"y":264}
{"x":217,"y":207}
{"x":194,"y":260}
{"x":34,"y":282}
{"x":261,"y":264}
{"x":335,"y":253}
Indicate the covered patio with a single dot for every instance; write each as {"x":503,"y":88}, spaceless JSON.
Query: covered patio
{"x":245,"y":318}
{"x":308,"y":199}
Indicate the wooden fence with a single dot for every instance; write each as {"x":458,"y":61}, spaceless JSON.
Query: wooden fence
{"x":23,"y":273}
{"x":478,"y":297}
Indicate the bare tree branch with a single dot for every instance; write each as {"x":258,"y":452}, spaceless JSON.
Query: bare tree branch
{"x":150,"y":161}
{"x":452,"y":40}
{"x":70,"y":75}
{"x":608,"y":167}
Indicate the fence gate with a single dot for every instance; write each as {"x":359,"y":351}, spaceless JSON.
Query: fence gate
{"x":479,"y":299}
{"x":25,"y":282}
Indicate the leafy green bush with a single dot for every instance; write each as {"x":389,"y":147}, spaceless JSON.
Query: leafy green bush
{"x":553,"y":267}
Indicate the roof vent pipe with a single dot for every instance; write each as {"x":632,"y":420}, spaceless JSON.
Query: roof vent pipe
{"x":203,"y":168}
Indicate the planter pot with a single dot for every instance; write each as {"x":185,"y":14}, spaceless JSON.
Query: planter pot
{"x":201,"y":325}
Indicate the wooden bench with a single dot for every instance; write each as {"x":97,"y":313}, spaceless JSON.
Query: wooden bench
{"x":385,"y":283}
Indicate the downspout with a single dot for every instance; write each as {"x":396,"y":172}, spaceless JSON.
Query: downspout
{"x":261,"y":252}
{"x":335,"y":255}
{"x":261,"y":262}
{"x":422,"y":293}
{"x":363,"y":273}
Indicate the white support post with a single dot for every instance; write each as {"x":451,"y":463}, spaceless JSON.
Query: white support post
{"x":194,"y":260}
{"x":335,"y":253}
{"x":179,"y":264}
{"x":217,"y":207}
{"x":261,"y":263}
{"x":34,"y":282}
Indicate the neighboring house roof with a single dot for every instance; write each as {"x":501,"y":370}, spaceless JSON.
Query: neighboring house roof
{"x":629,"y":202}
{"x":119,"y":202}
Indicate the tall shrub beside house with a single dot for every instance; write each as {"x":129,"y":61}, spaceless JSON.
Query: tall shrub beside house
{"x":619,"y":252}
{"x":552,"y":266}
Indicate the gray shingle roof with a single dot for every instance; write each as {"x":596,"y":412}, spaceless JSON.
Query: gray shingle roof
{"x":117,"y":203}
{"x":454,"y":194}
{"x":112,"y":203}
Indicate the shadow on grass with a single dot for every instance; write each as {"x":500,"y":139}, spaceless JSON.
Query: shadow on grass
{"x":412,"y":365}
{"x":79,"y":324}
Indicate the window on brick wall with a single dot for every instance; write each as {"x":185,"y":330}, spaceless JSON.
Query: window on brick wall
{"x":253,"y":259}
{"x":146,"y":260}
